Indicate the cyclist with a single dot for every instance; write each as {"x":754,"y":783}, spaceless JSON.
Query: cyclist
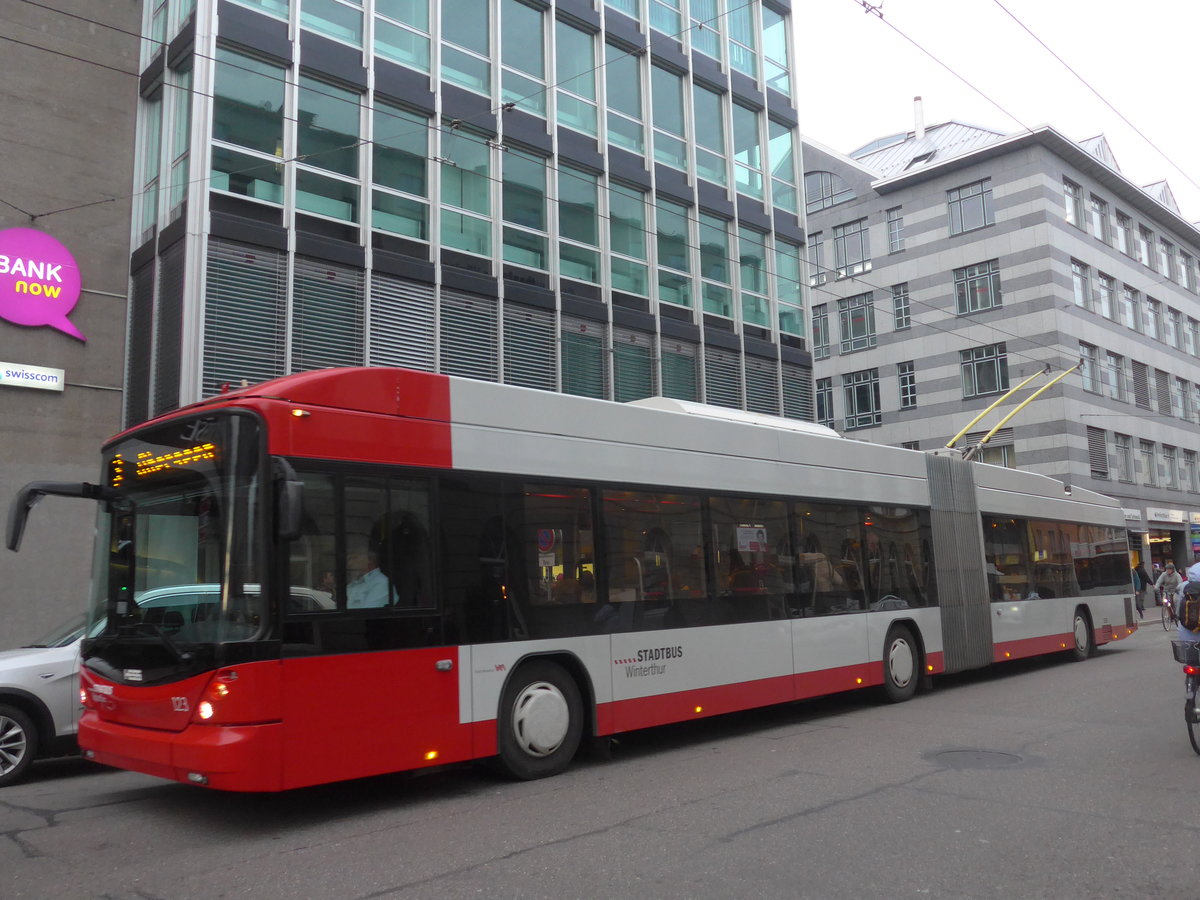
{"x":1168,"y":583}
{"x":1193,"y":574}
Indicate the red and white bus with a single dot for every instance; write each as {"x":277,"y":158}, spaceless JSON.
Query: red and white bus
{"x":358,"y":571}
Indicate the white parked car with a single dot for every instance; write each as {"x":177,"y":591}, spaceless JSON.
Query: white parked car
{"x":39,"y":684}
{"x":39,"y":700}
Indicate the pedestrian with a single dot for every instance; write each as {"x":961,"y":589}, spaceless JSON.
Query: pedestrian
{"x":1140,"y":595}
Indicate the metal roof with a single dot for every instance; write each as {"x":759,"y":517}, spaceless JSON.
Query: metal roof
{"x":940,"y":142}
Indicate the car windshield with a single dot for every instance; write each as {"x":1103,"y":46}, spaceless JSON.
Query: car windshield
{"x":178,"y":555}
{"x":64,"y":634}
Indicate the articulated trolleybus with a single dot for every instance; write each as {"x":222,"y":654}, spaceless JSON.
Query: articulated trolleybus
{"x":347,"y":572}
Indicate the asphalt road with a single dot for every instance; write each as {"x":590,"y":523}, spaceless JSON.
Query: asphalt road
{"x":1037,"y":779}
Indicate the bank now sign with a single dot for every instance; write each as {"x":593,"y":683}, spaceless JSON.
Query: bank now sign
{"x":39,"y":281}
{"x":17,"y":375}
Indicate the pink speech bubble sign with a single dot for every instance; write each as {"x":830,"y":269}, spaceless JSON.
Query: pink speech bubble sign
{"x":39,"y":281}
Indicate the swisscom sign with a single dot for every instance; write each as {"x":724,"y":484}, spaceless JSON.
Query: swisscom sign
{"x":39,"y":281}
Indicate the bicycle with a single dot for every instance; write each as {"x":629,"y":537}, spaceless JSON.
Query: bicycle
{"x":1187,"y":653}
{"x":1169,"y":619}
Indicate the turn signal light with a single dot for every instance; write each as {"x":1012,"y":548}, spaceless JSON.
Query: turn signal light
{"x":431,"y":755}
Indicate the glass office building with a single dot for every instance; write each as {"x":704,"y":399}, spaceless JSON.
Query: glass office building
{"x":597,"y":198}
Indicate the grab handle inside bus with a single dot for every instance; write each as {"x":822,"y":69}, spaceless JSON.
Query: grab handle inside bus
{"x":29,"y":495}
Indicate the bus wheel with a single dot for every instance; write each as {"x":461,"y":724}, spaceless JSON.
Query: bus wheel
{"x":1085,"y":641}
{"x":18,"y":744}
{"x":541,"y":721}
{"x":901,"y":665}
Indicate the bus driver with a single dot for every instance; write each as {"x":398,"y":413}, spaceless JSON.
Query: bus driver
{"x":370,"y":589}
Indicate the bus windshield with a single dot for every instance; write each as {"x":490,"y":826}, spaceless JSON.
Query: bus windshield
{"x":179,"y":554}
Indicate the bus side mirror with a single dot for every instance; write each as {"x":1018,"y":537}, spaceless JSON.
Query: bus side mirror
{"x":290,"y":510}
{"x":289,"y":501}
{"x":29,"y":495}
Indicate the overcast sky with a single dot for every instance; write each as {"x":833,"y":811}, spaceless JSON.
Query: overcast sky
{"x":859,"y":74}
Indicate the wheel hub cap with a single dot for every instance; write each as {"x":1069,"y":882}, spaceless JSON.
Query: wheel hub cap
{"x":540,"y":719}
{"x":900,"y":663}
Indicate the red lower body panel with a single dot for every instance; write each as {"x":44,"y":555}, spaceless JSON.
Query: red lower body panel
{"x":230,"y":757}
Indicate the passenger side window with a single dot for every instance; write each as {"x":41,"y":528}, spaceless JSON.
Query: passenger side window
{"x":829,"y":571}
{"x":656,"y":570}
{"x":752,"y":558}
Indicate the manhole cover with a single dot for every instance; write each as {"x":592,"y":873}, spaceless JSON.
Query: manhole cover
{"x":976,"y":759}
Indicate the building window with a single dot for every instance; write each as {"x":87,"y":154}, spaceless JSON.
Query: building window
{"x":1144,"y":241}
{"x":575,"y":69}
{"x":524,"y":209}
{"x":860,"y":393}
{"x":747,"y":152}
{"x":578,"y":225}
{"x":1170,"y":467}
{"x":977,"y":287}
{"x":1101,"y":227}
{"x":825,"y":189}
{"x":466,"y":192}
{"x":1131,"y":308}
{"x":781,"y":148}
{"x":907,"y":376}
{"x":970,"y":206}
{"x":1166,"y":259}
{"x":327,"y":138}
{"x":706,"y":30}
{"x":716,"y":279}
{"x":789,"y":288}
{"x":400,"y":151}
{"x":895,"y":230}
{"x":984,"y":370}
{"x":823,"y":392}
{"x":1162,"y":387}
{"x":1173,"y":328}
{"x":857,"y":315}
{"x":1191,"y":337}
{"x":752,"y":276}
{"x":670,"y":132}
{"x":1149,"y":463}
{"x":665,"y":16}
{"x":1116,"y":378}
{"x":1080,"y":285}
{"x":1073,"y":195}
{"x":674,"y":254}
{"x":333,"y":19}
{"x":910,"y":445}
{"x":627,"y":240}
{"x":711,"y":151}
{"x":1152,"y":319}
{"x":743,"y":47}
{"x":1088,"y":369}
{"x":852,"y":248}
{"x":1124,"y":233}
{"x":1187,"y":473}
{"x":1097,"y":452}
{"x":523,"y":56}
{"x":466,"y":28}
{"x":402,"y":33}
{"x":248,"y":103}
{"x":1124,"y":445}
{"x":623,"y":80}
{"x":1187,"y":271}
{"x":776,"y":58}
{"x":816,"y":260}
{"x":820,"y":327}
{"x":901,"y":306}
{"x":1180,"y":396}
{"x":1106,"y":290}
